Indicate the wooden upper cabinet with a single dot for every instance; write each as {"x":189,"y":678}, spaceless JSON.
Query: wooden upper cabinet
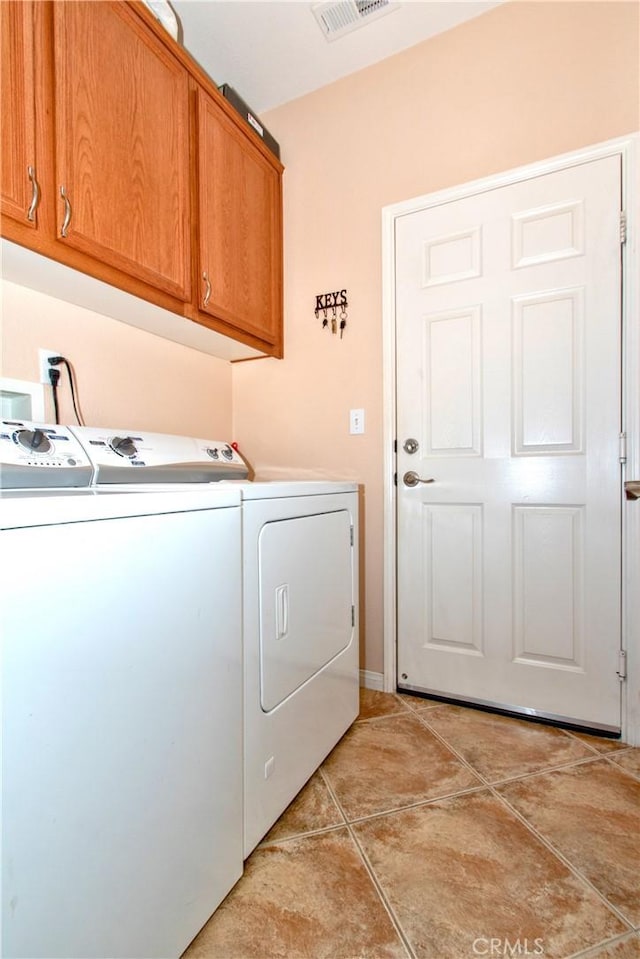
{"x":147,"y":178}
{"x":240,"y":228}
{"x":121,"y":144}
{"x":19,"y":199}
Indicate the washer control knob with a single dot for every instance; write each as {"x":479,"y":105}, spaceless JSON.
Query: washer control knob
{"x":123,"y":446}
{"x":227,"y":452}
{"x":34,"y":440}
{"x":213,"y":453}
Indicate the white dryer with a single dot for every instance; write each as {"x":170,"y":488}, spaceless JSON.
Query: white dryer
{"x":300,"y":637}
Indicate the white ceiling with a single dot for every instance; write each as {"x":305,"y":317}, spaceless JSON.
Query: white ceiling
{"x":272,"y":51}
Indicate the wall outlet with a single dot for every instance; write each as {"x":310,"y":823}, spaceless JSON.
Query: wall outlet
{"x":43,"y":359}
{"x":356,"y":421}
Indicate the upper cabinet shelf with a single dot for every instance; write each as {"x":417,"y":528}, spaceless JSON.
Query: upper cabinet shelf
{"x":121,"y":159}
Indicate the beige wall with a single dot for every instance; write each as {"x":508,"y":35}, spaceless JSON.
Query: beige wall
{"x":523,"y":82}
{"x":126,"y":377}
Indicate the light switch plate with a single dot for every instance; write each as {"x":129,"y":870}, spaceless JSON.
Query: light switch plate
{"x":356,"y":421}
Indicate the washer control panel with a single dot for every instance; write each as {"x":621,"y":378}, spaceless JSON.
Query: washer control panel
{"x":41,"y":455}
{"x":120,"y":456}
{"x":34,"y":455}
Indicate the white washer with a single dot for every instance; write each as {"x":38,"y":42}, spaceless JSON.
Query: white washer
{"x":122,"y":715}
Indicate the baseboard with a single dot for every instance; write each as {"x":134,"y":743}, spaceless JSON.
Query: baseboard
{"x":371,"y":680}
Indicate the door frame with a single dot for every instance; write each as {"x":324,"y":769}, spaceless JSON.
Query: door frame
{"x":628,"y":149}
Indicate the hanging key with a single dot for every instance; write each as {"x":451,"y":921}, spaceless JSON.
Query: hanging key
{"x":334,"y":325}
{"x":343,"y":323}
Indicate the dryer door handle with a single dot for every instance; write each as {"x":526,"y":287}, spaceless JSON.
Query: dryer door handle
{"x":282,"y":611}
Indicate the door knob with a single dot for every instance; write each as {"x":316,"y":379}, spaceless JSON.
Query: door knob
{"x":411,"y":478}
{"x":410,"y":446}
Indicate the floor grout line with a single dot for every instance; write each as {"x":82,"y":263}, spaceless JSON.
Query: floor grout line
{"x":591,"y":953}
{"x":577,"y":872}
{"x":424,"y":703}
{"x":584,"y":761}
{"x":383,"y":896}
{"x":378,"y":719}
{"x":458,"y":755}
{"x":585,"y":742}
{"x":356,"y":821}
{"x":629,"y":772}
{"x":267,"y":844}
{"x":482,"y":784}
{"x":371,"y":873}
{"x":499,"y":782}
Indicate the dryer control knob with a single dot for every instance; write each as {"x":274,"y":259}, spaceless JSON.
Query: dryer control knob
{"x":123,"y":446}
{"x":213,"y":453}
{"x":33,"y":440}
{"x":227,"y":453}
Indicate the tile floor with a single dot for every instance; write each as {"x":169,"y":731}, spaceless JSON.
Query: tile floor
{"x":439,"y":832}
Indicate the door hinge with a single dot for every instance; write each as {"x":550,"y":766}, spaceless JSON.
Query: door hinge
{"x":622,"y":453}
{"x":353,"y":616}
{"x":395,"y":479}
{"x":623,"y":226}
{"x":395,"y":446}
{"x":621,"y":671}
{"x":351,"y":535}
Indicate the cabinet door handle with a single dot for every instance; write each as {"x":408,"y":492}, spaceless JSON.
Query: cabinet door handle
{"x":67,"y":212}
{"x":35,"y":194}
{"x":207,"y":292}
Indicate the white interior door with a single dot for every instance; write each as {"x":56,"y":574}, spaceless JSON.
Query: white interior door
{"x":508,"y":352}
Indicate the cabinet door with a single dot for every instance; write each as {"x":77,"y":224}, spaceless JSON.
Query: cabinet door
{"x":18,"y":112}
{"x":122,"y":143}
{"x":240,"y":222}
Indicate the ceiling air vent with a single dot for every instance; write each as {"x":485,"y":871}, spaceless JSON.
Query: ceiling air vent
{"x":337,"y":17}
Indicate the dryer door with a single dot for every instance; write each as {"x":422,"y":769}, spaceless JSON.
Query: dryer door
{"x":306,"y":599}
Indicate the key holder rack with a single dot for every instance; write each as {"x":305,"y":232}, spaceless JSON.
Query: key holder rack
{"x":333,"y":307}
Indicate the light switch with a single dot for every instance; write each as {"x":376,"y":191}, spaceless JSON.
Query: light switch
{"x":356,"y":421}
